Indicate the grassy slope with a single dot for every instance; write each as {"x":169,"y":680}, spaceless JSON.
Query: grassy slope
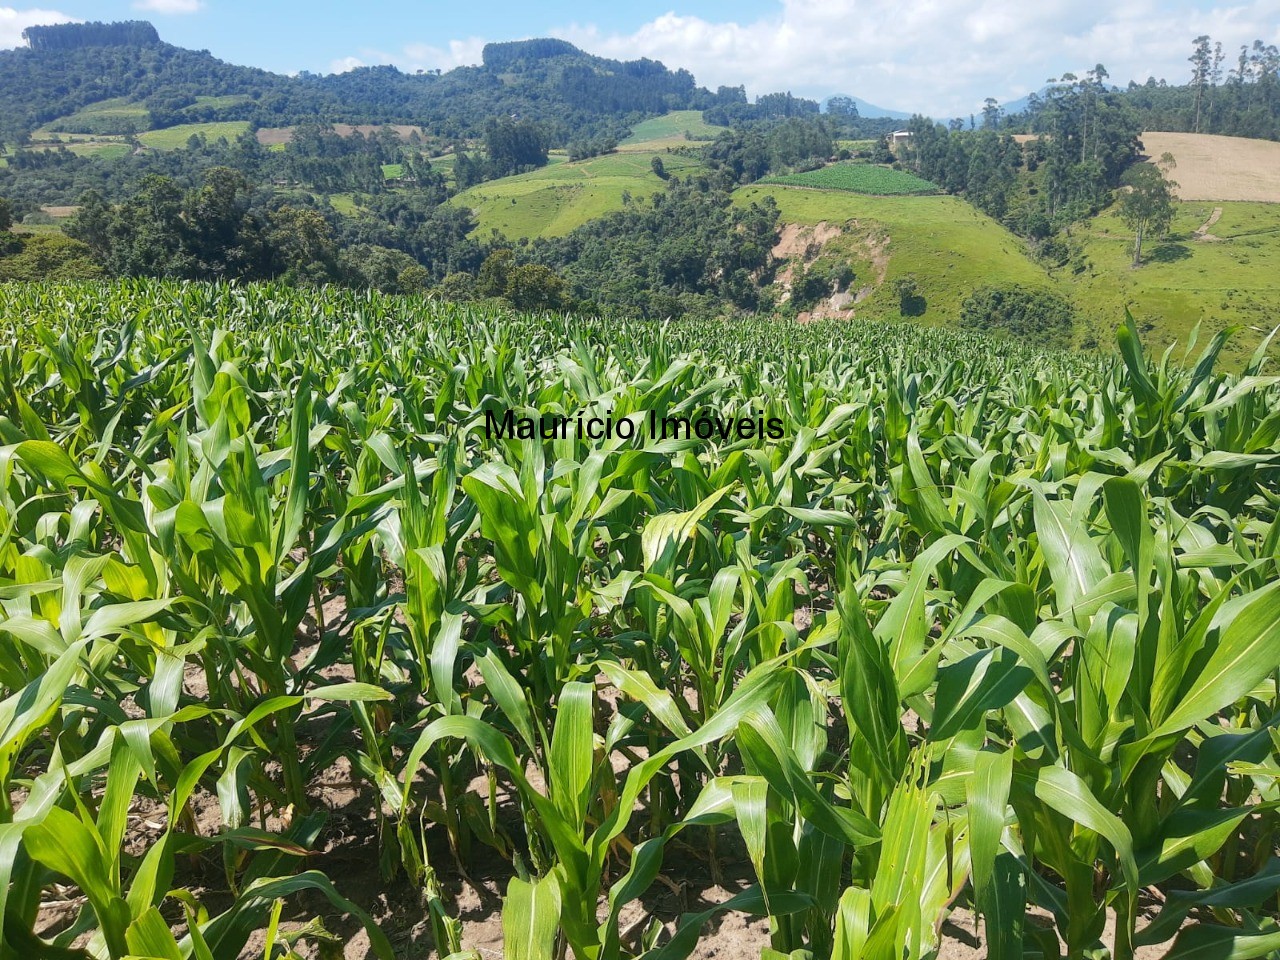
{"x":668,"y":130}
{"x":555,"y":199}
{"x":1234,"y":281}
{"x":175,"y":138}
{"x":945,"y":244}
{"x":119,"y":109}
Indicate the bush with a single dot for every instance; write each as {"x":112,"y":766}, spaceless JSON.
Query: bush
{"x":809,"y":289}
{"x":52,"y":257}
{"x":911,"y":302}
{"x":457,"y":287}
{"x":841,"y":275}
{"x":1019,"y":310}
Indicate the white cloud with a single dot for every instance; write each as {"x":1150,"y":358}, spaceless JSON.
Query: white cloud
{"x":413,"y":57}
{"x":346,"y":65}
{"x":940,"y":56}
{"x":13,"y":22}
{"x":168,"y":6}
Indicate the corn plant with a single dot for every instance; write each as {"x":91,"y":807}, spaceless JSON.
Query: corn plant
{"x":988,"y":627}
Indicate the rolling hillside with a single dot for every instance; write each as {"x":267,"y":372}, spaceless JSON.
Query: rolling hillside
{"x":552,"y":201}
{"x":945,"y":245}
{"x":92,"y":81}
{"x":1220,"y":274}
{"x":1227,"y":275}
{"x":674,"y":129}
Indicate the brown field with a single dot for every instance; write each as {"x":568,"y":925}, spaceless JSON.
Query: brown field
{"x":1219,"y":168}
{"x":273,"y":136}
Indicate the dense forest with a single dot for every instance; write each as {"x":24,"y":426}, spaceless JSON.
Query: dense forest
{"x":1083,"y":136}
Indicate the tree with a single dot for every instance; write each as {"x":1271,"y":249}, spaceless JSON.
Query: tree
{"x":492,"y":279}
{"x":659,"y":170}
{"x":843,"y":107}
{"x":990,"y":114}
{"x":1146,"y":201}
{"x":6,"y":214}
{"x":534,"y":287}
{"x":221,"y":235}
{"x":1201,"y":71}
{"x":302,"y":245}
{"x":514,"y":146}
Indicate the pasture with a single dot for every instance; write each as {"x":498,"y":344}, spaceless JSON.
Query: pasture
{"x":115,"y":116}
{"x":943,"y":243}
{"x":175,"y":138}
{"x":669,"y":130}
{"x":561,"y":196}
{"x":1229,"y":278}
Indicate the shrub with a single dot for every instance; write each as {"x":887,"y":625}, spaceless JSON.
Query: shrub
{"x":52,"y":257}
{"x":1018,"y":310}
{"x":809,"y":289}
{"x":910,"y":301}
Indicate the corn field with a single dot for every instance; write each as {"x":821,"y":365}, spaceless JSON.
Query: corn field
{"x":989,"y":630}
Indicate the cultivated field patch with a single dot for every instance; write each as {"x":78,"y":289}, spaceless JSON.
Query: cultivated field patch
{"x":176,"y":138}
{"x":1219,"y":168}
{"x":676,"y":127}
{"x":275,"y":136}
{"x":858,"y":178}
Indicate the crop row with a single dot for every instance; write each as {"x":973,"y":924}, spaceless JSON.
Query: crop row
{"x":989,"y":627}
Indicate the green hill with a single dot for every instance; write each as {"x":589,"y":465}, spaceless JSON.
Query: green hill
{"x":944,"y":244}
{"x":1230,"y":277}
{"x":555,"y":199}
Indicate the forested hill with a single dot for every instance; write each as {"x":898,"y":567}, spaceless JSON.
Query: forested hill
{"x":69,"y":67}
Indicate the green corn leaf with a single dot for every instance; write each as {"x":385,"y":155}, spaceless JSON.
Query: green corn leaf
{"x":572,"y":751}
{"x":149,"y":936}
{"x":1207,"y":942}
{"x":998,"y":885}
{"x":531,"y":918}
{"x":1247,"y":651}
{"x":1070,"y":554}
{"x":1067,"y":794}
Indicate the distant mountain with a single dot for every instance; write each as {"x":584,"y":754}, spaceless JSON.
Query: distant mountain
{"x":152,"y":84}
{"x":1021,"y":104}
{"x":870,"y":110}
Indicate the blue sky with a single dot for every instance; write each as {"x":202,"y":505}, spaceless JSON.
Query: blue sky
{"x":939,"y":56}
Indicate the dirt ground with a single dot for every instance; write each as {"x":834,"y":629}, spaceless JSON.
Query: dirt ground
{"x":1219,"y":168}
{"x":687,"y":885}
{"x":693,"y":878}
